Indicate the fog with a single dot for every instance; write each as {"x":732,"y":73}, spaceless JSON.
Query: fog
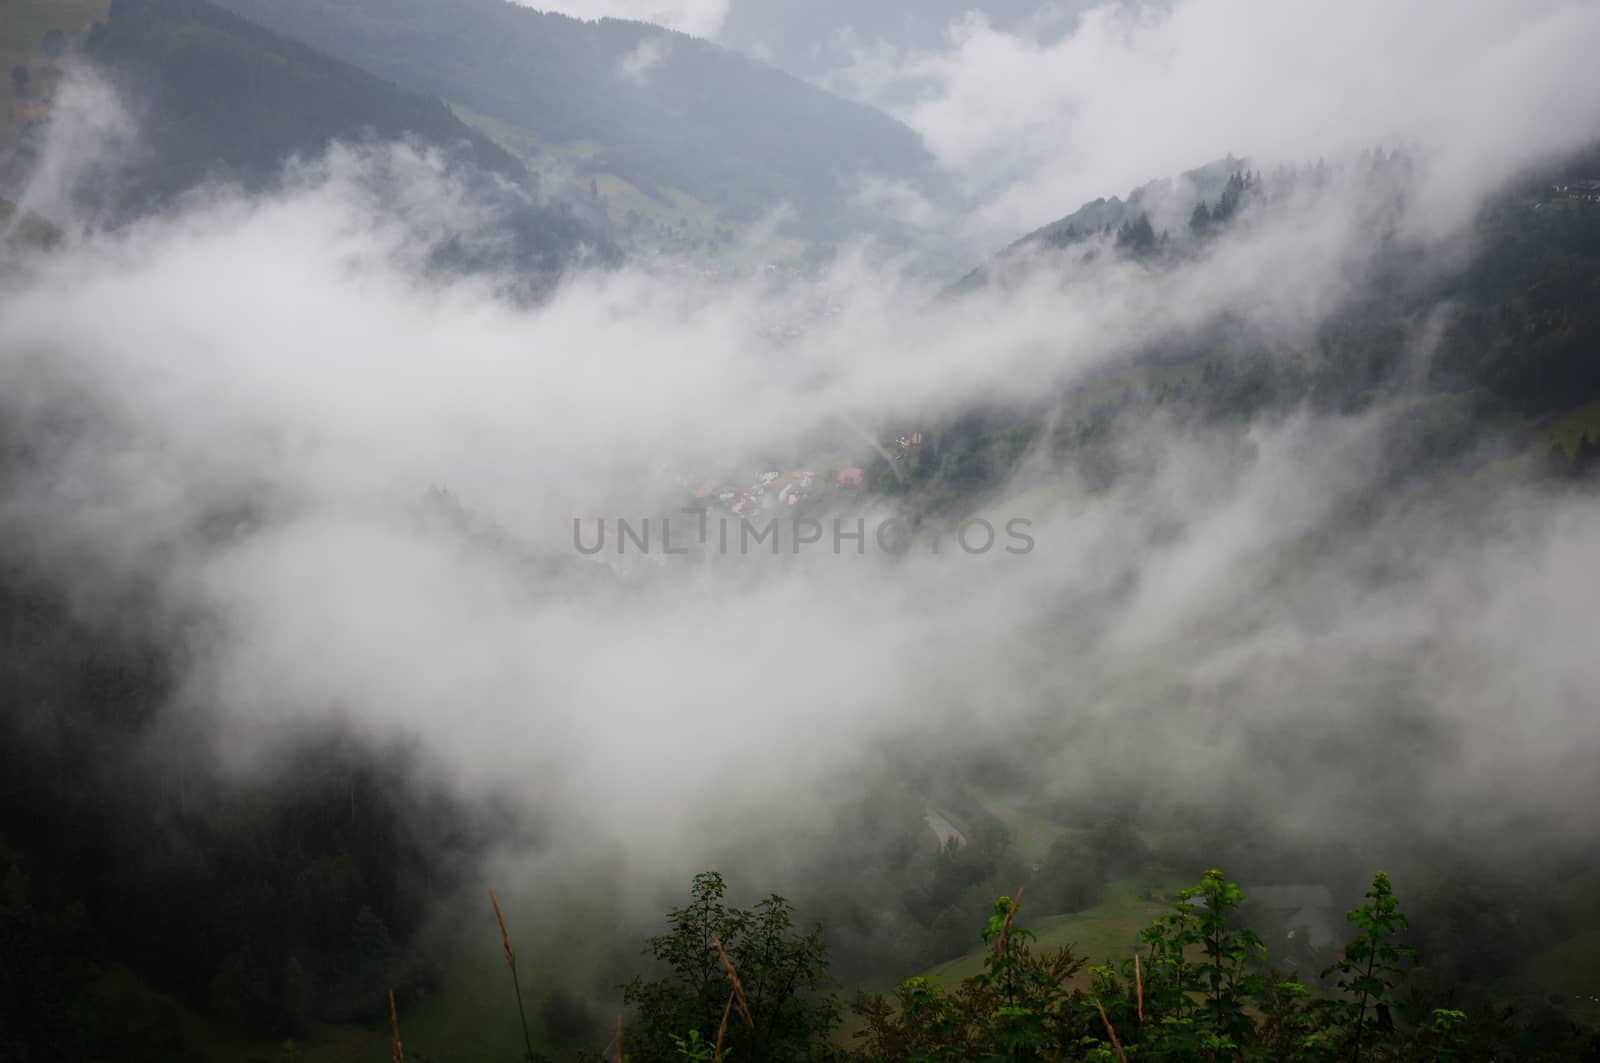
{"x":1037,"y":107}
{"x":250,"y":406}
{"x":352,"y":493}
{"x":1037,"y":114}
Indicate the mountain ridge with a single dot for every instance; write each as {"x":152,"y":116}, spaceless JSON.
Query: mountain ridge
{"x":657,"y":108}
{"x":217,"y":98}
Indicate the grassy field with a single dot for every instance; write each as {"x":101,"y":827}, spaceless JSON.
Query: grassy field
{"x":1030,"y":835}
{"x":1571,"y":969}
{"x":685,"y":223}
{"x":673,"y":208}
{"x":1108,"y":931}
{"x":1569,"y":431}
{"x":475,"y":1017}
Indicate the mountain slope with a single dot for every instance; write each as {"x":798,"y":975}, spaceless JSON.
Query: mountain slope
{"x":219,"y":97}
{"x":1511,"y":335}
{"x":24,"y":228}
{"x":234,"y":98}
{"x":1166,"y":202}
{"x":818,"y":38}
{"x":658,"y":109}
{"x":37,"y":38}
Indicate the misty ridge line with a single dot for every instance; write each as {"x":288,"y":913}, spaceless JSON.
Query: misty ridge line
{"x":893,"y":536}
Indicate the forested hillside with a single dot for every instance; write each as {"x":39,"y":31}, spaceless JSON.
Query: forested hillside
{"x":657,"y":109}
{"x":1517,"y":328}
{"x":215,"y":98}
{"x":153,"y":909}
{"x":231,"y":100}
{"x":1158,"y":198}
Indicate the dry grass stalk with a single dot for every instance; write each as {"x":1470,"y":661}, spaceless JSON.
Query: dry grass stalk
{"x":397,"y":1050}
{"x":722,"y":1029}
{"x":1116,"y":1044}
{"x":1005,"y":928}
{"x":619,"y":1038}
{"x":1138,"y":984}
{"x":738,"y":987}
{"x":511,"y":962}
{"x":505,"y":938}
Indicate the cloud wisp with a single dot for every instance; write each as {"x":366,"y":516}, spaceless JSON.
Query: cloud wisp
{"x":1037,"y":122}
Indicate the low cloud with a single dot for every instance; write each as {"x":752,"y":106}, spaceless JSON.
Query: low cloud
{"x":637,"y":64}
{"x":1039,"y":122}
{"x":255,"y":405}
{"x":89,"y":140}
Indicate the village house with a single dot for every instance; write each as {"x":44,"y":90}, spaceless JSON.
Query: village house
{"x":1586,"y":189}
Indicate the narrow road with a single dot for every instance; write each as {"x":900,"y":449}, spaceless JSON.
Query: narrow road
{"x":944,"y":830}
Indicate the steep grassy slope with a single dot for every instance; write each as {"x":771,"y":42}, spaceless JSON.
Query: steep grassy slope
{"x":660,"y":110}
{"x":1108,"y":931}
{"x":217,"y":97}
{"x":225,"y":97}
